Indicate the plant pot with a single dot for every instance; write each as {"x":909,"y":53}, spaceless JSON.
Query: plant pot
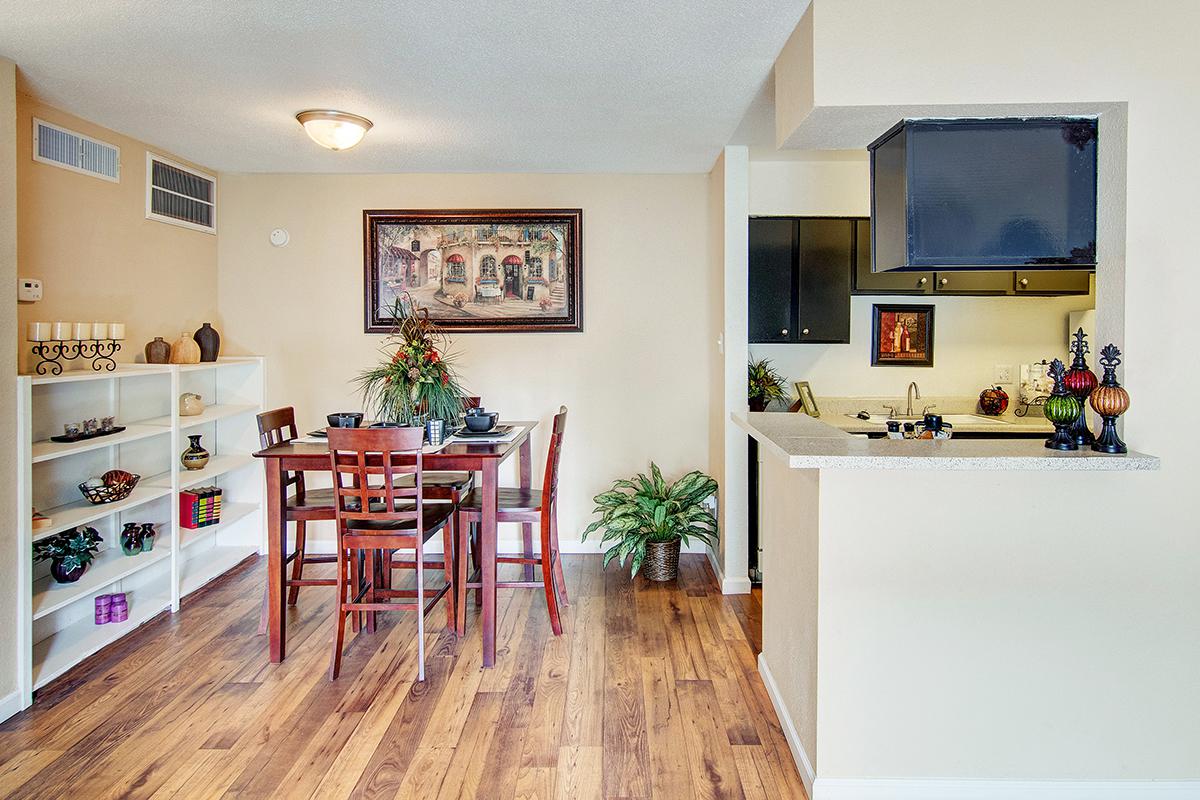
{"x":757,"y":404}
{"x":61,"y":575}
{"x":662,"y":561}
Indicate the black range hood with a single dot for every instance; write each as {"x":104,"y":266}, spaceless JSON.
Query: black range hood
{"x":968,"y":194}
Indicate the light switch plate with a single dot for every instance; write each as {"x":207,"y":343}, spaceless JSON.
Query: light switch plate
{"x":1003,"y":373}
{"x":29,"y":290}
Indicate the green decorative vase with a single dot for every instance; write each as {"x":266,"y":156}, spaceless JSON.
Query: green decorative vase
{"x":1062,"y":408}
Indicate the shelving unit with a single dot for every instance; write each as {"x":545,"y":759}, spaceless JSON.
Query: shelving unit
{"x":57,"y":626}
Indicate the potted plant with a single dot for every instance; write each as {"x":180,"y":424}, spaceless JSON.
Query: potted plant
{"x":764,"y":385}
{"x":69,"y":554}
{"x":646,"y":519}
{"x":416,"y":379}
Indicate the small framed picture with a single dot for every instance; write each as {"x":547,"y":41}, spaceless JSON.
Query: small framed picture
{"x":806,"y":402}
{"x":901,"y":335}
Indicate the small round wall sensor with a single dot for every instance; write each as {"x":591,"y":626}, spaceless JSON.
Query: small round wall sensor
{"x":279,"y":237}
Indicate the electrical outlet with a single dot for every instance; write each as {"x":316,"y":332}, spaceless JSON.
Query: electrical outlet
{"x":29,"y":290}
{"x":1004,"y":373}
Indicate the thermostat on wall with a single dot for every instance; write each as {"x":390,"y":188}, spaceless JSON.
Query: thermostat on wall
{"x":29,"y":290}
{"x":279,"y":237}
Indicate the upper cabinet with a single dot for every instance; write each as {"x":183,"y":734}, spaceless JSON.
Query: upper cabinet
{"x":868,"y":282}
{"x":953,"y":195}
{"x":800,"y":271}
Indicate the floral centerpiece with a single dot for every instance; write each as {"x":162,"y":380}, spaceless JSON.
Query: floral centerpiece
{"x":416,"y":380}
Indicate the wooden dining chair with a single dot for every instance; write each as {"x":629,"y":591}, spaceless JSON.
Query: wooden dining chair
{"x":303,"y":505}
{"x":521,"y":505}
{"x":376,"y":517}
{"x":449,"y":486}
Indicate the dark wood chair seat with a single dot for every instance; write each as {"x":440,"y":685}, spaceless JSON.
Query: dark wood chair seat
{"x":458,"y":481}
{"x":313,"y":498}
{"x":433,"y":517}
{"x":513,"y":501}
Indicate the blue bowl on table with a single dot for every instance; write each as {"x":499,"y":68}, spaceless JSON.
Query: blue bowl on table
{"x":481,"y":423}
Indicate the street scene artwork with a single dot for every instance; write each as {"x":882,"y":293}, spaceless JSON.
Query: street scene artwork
{"x":482,"y":271}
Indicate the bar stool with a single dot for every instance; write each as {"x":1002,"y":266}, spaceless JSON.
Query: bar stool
{"x":375,"y":518}
{"x":521,"y":505}
{"x":275,"y":427}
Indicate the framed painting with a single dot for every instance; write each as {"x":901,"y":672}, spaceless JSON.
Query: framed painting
{"x":475,"y":270}
{"x":901,"y":335}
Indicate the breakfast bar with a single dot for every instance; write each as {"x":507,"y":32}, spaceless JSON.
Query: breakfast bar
{"x":928,"y":604}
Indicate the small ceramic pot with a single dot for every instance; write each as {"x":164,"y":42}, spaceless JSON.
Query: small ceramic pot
{"x":185,"y":350}
{"x":195,"y":457}
{"x":190,"y":404}
{"x":148,"y":534}
{"x":209,"y":341}
{"x":158,"y":351}
{"x":62,"y":575}
{"x":131,"y":539}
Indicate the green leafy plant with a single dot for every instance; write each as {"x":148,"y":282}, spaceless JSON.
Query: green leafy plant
{"x":648,"y":509}
{"x":764,"y":384}
{"x":72,"y":550}
{"x":417,"y":379}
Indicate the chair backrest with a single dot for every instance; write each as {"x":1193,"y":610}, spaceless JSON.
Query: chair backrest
{"x":365,"y":463}
{"x":275,"y":427}
{"x":550,"y":480}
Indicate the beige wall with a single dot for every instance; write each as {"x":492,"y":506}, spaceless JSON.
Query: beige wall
{"x":98,"y":256}
{"x":8,"y":367}
{"x":636,"y":380}
{"x":971,"y":334}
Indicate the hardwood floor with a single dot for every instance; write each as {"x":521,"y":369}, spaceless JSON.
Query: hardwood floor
{"x":651,"y":692}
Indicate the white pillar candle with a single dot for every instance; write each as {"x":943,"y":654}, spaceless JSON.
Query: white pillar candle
{"x":61,"y":331}
{"x":99,"y":330}
{"x":38,"y":332}
{"x":116,"y":330}
{"x":82,"y":331}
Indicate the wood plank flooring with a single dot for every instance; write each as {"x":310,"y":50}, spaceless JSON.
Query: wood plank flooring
{"x":651,"y":692}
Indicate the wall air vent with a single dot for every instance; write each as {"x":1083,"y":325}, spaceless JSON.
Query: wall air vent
{"x":60,"y":147}
{"x":180,"y":195}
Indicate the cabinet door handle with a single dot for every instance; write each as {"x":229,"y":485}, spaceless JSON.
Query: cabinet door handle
{"x":1024,"y":281}
{"x":783,"y":332}
{"x":923,"y":281}
{"x":805,"y":331}
{"x":944,"y":281}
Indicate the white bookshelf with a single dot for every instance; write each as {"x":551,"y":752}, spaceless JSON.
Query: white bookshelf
{"x":57,"y":629}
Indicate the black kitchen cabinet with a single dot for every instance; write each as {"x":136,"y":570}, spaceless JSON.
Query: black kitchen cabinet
{"x":800,"y":279}
{"x":972,"y":282}
{"x":1041,"y":282}
{"x":868,"y":282}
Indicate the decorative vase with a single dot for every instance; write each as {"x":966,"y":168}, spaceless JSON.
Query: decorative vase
{"x":185,"y":350}
{"x":158,"y":351}
{"x":195,"y":457}
{"x":148,"y":534}
{"x":62,"y":575}
{"x":1110,"y":401}
{"x":1061,"y":408}
{"x":209,"y":341}
{"x":1080,"y":381}
{"x":131,"y":539}
{"x":662,"y":561}
{"x":190,"y":404}
{"x":757,"y":404}
{"x":993,"y":401}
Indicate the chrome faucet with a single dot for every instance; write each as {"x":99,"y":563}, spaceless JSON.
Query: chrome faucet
{"x":912,"y":389}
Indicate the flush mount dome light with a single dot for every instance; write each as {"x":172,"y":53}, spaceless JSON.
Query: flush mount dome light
{"x":336,"y":130}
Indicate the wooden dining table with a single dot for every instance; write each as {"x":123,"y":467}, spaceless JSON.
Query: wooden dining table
{"x":458,"y":455}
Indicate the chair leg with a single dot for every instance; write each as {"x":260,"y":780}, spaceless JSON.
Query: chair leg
{"x":370,"y":574}
{"x":298,"y":561}
{"x":548,"y":578}
{"x":335,"y":662}
{"x":448,"y":537}
{"x":475,"y":560}
{"x":354,"y":583}
{"x":559,"y":581}
{"x":460,"y":584}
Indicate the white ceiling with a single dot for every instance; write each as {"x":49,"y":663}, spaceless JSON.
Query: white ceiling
{"x":506,"y":85}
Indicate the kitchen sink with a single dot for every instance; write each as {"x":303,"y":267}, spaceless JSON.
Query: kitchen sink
{"x":953,"y":419}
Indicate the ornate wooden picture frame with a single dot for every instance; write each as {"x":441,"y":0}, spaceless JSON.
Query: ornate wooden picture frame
{"x":476,"y":270}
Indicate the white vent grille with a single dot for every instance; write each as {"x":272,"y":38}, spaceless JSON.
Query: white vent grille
{"x":70,"y":150}
{"x":179,"y":195}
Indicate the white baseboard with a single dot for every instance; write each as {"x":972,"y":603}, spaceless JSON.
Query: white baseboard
{"x":954,"y":789}
{"x":10,"y":704}
{"x":808,"y":775}
{"x":961,"y":789}
{"x":324,"y":545}
{"x":728,"y":585}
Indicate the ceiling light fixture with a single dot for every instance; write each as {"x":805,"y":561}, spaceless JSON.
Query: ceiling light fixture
{"x":336,"y":130}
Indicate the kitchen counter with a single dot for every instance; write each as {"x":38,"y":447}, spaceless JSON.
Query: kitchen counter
{"x":1006,"y":425}
{"x":808,"y":443}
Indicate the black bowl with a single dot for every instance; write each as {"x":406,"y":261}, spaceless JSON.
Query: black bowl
{"x":345,"y":419}
{"x":481,"y":423}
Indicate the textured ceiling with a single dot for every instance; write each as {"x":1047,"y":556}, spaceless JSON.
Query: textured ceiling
{"x":507,"y":85}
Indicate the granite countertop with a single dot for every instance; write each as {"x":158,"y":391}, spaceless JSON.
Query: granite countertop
{"x":840,"y":413}
{"x":808,"y":443}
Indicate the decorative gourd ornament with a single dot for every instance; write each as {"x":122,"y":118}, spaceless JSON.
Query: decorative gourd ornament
{"x":993,"y":401}
{"x":1110,"y":401}
{"x":1061,"y":408}
{"x":1081,"y":381}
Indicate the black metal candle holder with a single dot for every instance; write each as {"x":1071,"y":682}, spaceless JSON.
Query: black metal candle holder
{"x":53,"y":353}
